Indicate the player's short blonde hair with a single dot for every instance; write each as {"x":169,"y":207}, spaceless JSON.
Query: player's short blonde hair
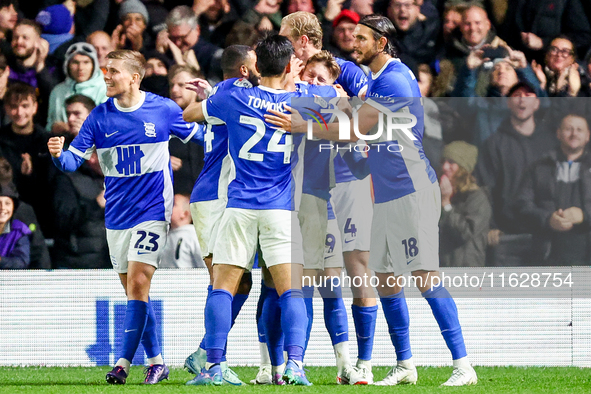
{"x":134,"y":61}
{"x":327,"y":60}
{"x":303,"y":23}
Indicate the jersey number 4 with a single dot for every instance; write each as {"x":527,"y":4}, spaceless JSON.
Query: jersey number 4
{"x":274,"y":143}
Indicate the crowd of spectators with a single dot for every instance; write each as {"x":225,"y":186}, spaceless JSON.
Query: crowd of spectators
{"x":505,"y":86}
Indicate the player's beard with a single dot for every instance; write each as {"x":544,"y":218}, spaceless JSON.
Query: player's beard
{"x":368,"y":57}
{"x":255,"y":80}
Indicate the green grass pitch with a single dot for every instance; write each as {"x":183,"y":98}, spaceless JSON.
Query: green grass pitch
{"x":490,"y":380}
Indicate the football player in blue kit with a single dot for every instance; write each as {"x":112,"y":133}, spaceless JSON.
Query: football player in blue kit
{"x":405,"y":232}
{"x":305,"y":33}
{"x":130,"y":133}
{"x":258,"y":211}
{"x":209,"y":196}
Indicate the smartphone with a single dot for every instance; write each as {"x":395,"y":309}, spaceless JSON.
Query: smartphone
{"x":494,"y":53}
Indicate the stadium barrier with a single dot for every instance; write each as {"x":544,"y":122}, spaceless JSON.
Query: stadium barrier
{"x":73,"y":317}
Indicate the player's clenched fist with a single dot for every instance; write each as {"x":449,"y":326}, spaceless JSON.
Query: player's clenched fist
{"x":55,"y":146}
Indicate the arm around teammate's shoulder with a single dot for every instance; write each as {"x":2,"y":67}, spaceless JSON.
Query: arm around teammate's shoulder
{"x":194,"y":113}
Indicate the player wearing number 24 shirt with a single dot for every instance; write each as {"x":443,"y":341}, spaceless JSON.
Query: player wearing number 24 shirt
{"x":130,"y":134}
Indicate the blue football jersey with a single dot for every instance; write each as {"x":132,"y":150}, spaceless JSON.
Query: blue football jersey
{"x":354,"y":81}
{"x":260,"y":152}
{"x":212,"y":182}
{"x":317,"y":173}
{"x":352,"y":78}
{"x":398,"y":166}
{"x":132,"y":148}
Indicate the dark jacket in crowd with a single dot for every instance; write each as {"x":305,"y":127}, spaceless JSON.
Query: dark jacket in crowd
{"x":418,"y":44}
{"x":80,"y":240}
{"x":34,"y":189}
{"x":550,"y":184}
{"x":501,"y":163}
{"x":463,"y":230}
{"x":546,"y":19}
{"x":192,"y":157}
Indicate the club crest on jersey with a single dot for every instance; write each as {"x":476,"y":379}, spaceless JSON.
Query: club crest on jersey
{"x":150,"y":129}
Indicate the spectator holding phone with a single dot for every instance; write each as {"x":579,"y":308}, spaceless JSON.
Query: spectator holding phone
{"x":475,"y":34}
{"x":506,"y":73}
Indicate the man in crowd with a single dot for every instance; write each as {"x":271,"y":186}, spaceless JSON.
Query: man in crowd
{"x":520,"y":140}
{"x":181,"y":41}
{"x":27,"y":62}
{"x":554,"y":199}
{"x":24,"y":144}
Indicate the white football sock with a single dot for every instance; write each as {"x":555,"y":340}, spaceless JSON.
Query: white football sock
{"x":341,"y":352}
{"x":126,"y":364}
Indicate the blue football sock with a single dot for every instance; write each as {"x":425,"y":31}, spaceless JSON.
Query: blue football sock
{"x":150,"y":338}
{"x":396,"y":313}
{"x":364,"y":318}
{"x":259,"y":320}
{"x":294,"y":323}
{"x":237,"y":302}
{"x":136,"y":317}
{"x":335,"y":314}
{"x":202,"y":344}
{"x":271,"y":319}
{"x":218,"y":321}
{"x":446,"y":313}
{"x":308,"y":292}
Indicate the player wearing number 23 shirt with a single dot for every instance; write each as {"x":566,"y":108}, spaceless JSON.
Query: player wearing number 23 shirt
{"x":132,"y":148}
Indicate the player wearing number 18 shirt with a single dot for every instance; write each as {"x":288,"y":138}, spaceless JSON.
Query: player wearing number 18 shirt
{"x":130,"y":133}
{"x":405,"y":233}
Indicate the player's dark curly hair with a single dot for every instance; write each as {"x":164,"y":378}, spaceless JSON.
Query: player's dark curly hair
{"x":273,"y":55}
{"x":382,"y":27}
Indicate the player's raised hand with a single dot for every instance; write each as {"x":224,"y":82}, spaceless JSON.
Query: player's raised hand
{"x":55,"y":146}
{"x":297,"y":66}
{"x":199,"y":86}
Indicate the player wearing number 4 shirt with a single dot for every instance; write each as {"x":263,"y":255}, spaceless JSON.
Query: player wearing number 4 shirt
{"x":305,"y":33}
{"x":407,"y":199}
{"x":258,"y":211}
{"x":130,"y":134}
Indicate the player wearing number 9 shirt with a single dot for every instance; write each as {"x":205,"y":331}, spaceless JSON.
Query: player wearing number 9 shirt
{"x":259,"y":210}
{"x":407,"y":206}
{"x":130,"y":134}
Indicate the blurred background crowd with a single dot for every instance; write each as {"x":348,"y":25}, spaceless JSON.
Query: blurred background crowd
{"x":505,"y":84}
